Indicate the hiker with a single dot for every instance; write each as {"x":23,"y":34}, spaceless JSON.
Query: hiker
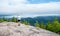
{"x":19,"y":23}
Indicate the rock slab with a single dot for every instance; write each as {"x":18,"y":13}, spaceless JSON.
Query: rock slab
{"x":12,"y":29}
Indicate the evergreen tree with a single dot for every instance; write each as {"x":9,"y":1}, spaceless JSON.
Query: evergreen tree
{"x":42,"y":25}
{"x":4,"y":19}
{"x":36,"y":24}
{"x":56,"y":25}
{"x":25,"y":22}
{"x":14,"y":19}
{"x":1,"y":20}
{"x":49,"y":26}
{"x":28,"y":23}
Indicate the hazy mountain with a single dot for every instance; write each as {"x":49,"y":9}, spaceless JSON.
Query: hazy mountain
{"x":40,"y":19}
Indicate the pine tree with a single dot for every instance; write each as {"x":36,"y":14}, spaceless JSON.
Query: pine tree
{"x":28,"y":23}
{"x":49,"y":26}
{"x":1,"y":20}
{"x":42,"y":25}
{"x":14,"y":19}
{"x":36,"y":24}
{"x":25,"y":22}
{"x":4,"y":19}
{"x":56,"y":25}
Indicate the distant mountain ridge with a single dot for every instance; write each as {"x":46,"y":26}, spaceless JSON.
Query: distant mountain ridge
{"x":40,"y":19}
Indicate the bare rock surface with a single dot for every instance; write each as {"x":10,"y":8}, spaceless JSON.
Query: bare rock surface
{"x":12,"y":29}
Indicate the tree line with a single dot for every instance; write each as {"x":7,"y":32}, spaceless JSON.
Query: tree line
{"x":13,"y":19}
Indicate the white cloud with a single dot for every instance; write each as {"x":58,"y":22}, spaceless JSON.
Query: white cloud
{"x":18,"y":7}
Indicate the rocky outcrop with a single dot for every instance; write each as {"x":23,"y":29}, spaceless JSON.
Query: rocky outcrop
{"x":13,"y":29}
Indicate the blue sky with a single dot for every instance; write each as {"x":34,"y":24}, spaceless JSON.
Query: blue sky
{"x":26,"y":8}
{"x":41,"y":1}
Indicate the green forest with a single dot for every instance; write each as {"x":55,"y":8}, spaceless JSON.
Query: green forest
{"x":13,"y":19}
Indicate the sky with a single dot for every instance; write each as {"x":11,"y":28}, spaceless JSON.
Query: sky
{"x":26,"y":8}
